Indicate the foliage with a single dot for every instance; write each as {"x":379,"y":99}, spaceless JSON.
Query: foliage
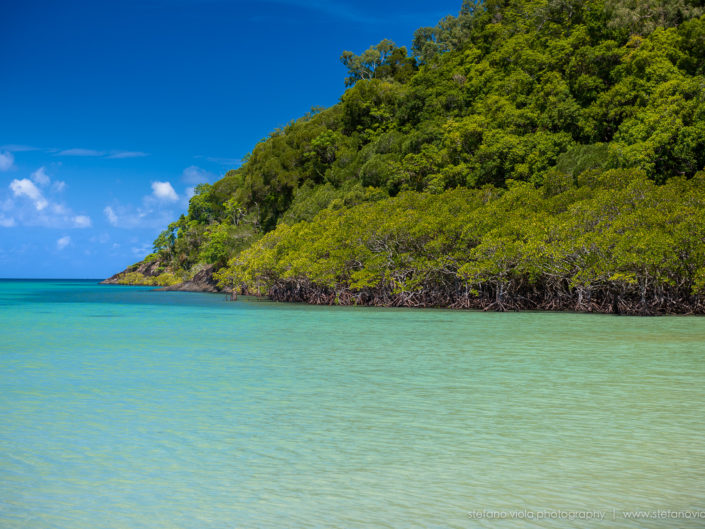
{"x":616,"y":241}
{"x":518,"y":98}
{"x":383,"y":61}
{"x":164,"y":279}
{"x":644,"y":16}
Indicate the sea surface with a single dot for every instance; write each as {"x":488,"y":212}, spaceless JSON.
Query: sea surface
{"x":123,"y":407}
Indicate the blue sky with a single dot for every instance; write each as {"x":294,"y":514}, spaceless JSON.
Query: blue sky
{"x":111,"y":111}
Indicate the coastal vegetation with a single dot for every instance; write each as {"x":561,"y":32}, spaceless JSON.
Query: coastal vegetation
{"x":523,"y":154}
{"x":615,"y":242}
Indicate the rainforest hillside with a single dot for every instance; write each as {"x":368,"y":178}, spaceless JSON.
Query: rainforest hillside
{"x":523,"y":154}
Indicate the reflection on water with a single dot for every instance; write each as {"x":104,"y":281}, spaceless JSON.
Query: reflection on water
{"x":128,"y":408}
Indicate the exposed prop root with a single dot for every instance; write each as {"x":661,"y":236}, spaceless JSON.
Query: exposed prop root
{"x":500,"y":298}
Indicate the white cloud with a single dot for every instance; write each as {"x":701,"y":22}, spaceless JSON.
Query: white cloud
{"x":164,"y":191}
{"x":7,"y":161}
{"x":6,"y":222}
{"x":111,"y":216}
{"x":82,"y":221}
{"x":119,"y":155}
{"x":148,"y":215}
{"x":195,"y":175}
{"x":40,"y":177}
{"x":113,"y":154}
{"x":63,"y":242}
{"x":27,"y":189}
{"x":103,"y":238}
{"x":142,"y":251}
{"x":19,"y":148}
{"x":156,"y":209}
{"x":59,"y":209}
{"x":36,"y":204}
{"x":80,"y":152}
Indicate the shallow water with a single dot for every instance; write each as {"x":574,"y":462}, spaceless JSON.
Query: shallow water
{"x":121,"y":407}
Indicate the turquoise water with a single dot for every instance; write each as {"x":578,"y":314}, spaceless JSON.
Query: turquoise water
{"x":121,"y":407}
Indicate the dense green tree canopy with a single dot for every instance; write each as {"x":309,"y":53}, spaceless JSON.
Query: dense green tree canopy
{"x":513,"y":97}
{"x":614,"y":240}
{"x":383,"y":61}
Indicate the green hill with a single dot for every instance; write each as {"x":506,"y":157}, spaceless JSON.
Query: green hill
{"x":525,"y":154}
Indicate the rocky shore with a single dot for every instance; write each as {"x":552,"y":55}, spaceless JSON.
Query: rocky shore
{"x":148,"y":274}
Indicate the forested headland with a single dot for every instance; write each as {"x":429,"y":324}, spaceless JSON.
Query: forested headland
{"x":543,"y":154}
